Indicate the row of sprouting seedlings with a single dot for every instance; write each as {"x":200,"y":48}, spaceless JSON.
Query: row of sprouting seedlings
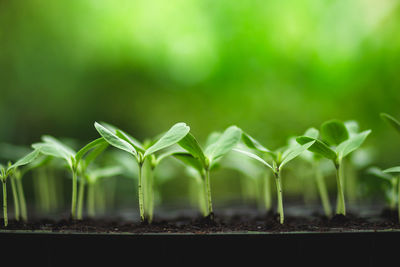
{"x":334,"y":141}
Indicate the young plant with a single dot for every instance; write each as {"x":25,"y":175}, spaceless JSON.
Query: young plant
{"x":203,"y":161}
{"x":315,"y":161}
{"x":142,"y":153}
{"x":93,"y":176}
{"x":396,"y":171}
{"x":278,"y":158}
{"x":5,"y":172}
{"x":393,"y":181}
{"x":55,"y":148}
{"x":335,"y":144}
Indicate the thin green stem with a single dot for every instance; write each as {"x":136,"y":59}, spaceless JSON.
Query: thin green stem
{"x":140,"y":190}
{"x":340,"y":206}
{"x":201,"y":196}
{"x":150,"y":191}
{"x":15,"y":198}
{"x":267,"y":192}
{"x":74,"y":194}
{"x":323,"y":192}
{"x":398,"y":197}
{"x":393,"y":195}
{"x":91,"y":201}
{"x":99,"y":197}
{"x":81,"y":194}
{"x":208,"y":193}
{"x":5,"y":202}
{"x":22,"y":201}
{"x":278,"y":183}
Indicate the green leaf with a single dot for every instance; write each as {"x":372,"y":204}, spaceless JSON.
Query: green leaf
{"x":123,"y":135}
{"x":53,"y":150}
{"x":351,"y":144}
{"x":318,"y":147}
{"x":110,"y":171}
{"x":174,"y":135}
{"x":128,"y":138}
{"x":86,"y":148}
{"x":391,"y":120}
{"x":189,"y":160}
{"x":312,"y":132}
{"x":393,"y":170}
{"x":25,"y":160}
{"x":114,"y":140}
{"x":294,"y":152}
{"x":167,"y":154}
{"x":381,"y":174}
{"x":39,"y":162}
{"x":212,"y":138}
{"x":64,"y":148}
{"x":190,"y":144}
{"x":253,"y":156}
{"x":93,"y":154}
{"x":228,"y":140}
{"x":352,"y":127}
{"x":252,"y":143}
{"x":334,"y":132}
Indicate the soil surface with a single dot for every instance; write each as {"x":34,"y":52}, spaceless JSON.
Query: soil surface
{"x":388,"y":220}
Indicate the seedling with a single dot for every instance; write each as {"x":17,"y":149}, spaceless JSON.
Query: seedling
{"x":93,"y":177}
{"x":142,"y":153}
{"x":55,"y":148}
{"x":335,"y":144}
{"x":315,"y":161}
{"x":203,"y":161}
{"x":396,"y":171}
{"x":279,"y":159}
{"x":10,"y":170}
{"x":393,"y":181}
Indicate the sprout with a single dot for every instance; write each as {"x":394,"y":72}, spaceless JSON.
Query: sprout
{"x":92,"y":177}
{"x":279,"y":159}
{"x":75,"y":162}
{"x":218,"y":145}
{"x":10,"y":170}
{"x":143,"y":153}
{"x":396,"y":170}
{"x":388,"y":177}
{"x":335,"y":143}
{"x":315,"y":161}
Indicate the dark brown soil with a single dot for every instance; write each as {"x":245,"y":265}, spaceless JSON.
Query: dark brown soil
{"x":237,"y":223}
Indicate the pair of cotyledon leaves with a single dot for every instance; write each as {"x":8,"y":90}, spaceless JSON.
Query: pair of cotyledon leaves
{"x":217,"y":145}
{"x":280,"y":157}
{"x":388,"y":174}
{"x":51,"y":146}
{"x":335,"y":141}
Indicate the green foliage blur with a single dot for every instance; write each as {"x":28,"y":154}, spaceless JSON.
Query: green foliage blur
{"x":274,"y":68}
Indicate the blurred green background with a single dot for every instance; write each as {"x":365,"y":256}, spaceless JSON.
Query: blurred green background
{"x":273,"y":68}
